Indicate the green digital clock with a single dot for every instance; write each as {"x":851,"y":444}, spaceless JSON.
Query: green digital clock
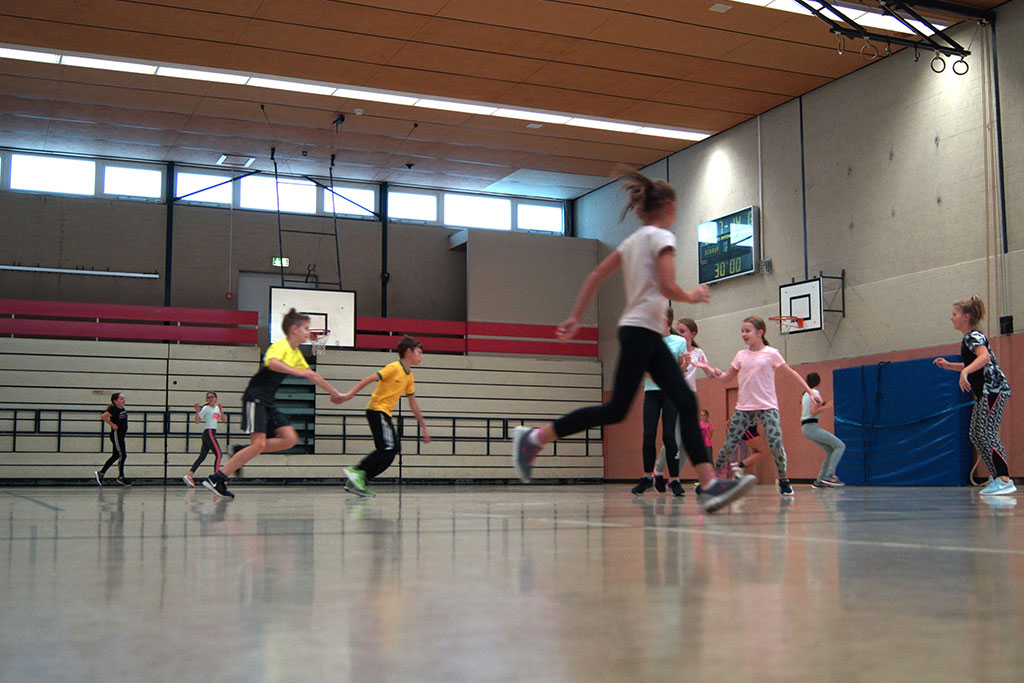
{"x":726,"y":246}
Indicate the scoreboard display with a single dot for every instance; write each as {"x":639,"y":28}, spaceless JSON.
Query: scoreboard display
{"x":726,"y":246}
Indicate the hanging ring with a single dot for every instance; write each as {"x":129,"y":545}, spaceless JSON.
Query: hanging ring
{"x":917,"y":55}
{"x":842,"y":44}
{"x":869,"y":52}
{"x":938,"y":63}
{"x":960,"y":70}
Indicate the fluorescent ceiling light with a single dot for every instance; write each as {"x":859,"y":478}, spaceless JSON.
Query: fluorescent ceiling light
{"x":294,"y":86}
{"x":789,"y":6}
{"x":864,"y":18}
{"x":524,"y":115}
{"x":29,"y":55}
{"x":108,"y":64}
{"x":464,"y":107}
{"x":375,"y":96}
{"x":603,"y":125}
{"x":199,"y":75}
{"x":669,"y":133}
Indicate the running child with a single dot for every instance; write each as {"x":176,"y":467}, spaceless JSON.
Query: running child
{"x":706,"y":430}
{"x":116,"y":418}
{"x":830,"y":443}
{"x":980,"y":374}
{"x":269,"y":430}
{"x":657,"y":406}
{"x":209,"y":414}
{"x":647,"y":259}
{"x":756,"y":400}
{"x":393,"y":381}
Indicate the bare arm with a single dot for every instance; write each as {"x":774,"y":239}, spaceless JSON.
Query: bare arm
{"x":796,"y":375}
{"x":611,"y":263}
{"x":106,"y":418}
{"x":414,"y":404}
{"x":360,"y":385}
{"x":817,"y":408}
{"x":946,"y":365}
{"x":668,"y":286}
{"x":278,"y":365}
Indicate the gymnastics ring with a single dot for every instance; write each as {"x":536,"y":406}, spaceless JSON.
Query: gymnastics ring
{"x":842,"y":44}
{"x":938,"y":64}
{"x":966,"y":67}
{"x":869,"y":55}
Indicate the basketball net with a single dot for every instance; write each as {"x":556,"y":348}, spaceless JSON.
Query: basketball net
{"x":787,"y":323}
{"x":318,"y":340}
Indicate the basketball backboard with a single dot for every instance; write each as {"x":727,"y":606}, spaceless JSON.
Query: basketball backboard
{"x":327,"y":310}
{"x":802,"y":300}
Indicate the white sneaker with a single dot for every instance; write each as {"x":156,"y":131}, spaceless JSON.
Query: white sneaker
{"x":998,"y":487}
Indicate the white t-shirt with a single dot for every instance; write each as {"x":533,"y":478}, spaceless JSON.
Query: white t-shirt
{"x":645,"y":305}
{"x":696,"y":354}
{"x":210,"y":415}
{"x":805,"y":405}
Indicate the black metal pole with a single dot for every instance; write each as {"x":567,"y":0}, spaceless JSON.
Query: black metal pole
{"x":385,"y":276}
{"x":999,"y":140}
{"x":803,"y":185}
{"x":169,"y":232}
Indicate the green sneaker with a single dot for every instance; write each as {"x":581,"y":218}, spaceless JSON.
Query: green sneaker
{"x":364,"y":492}
{"x":356,"y":479}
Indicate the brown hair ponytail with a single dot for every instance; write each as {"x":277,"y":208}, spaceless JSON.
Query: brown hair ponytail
{"x":973,"y":307}
{"x":645,"y":196}
{"x":758,"y":323}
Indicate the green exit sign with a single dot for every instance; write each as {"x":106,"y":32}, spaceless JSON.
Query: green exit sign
{"x":281,"y":261}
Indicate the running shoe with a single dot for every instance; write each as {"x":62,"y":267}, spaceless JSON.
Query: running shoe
{"x":677,"y":489}
{"x":124,"y":482}
{"x":998,"y":487}
{"x":364,"y":492}
{"x":99,"y":478}
{"x":644,"y":484}
{"x":659,"y":483}
{"x":189,"y":481}
{"x":357,"y":479}
{"x":721,"y":492}
{"x":524,"y":452}
{"x":785,"y":488}
{"x":216,"y":482}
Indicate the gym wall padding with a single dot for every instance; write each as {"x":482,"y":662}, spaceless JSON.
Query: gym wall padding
{"x":904,"y":424}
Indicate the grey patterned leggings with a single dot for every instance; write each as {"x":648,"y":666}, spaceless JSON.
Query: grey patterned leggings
{"x":741,"y":421}
{"x":986,"y":416}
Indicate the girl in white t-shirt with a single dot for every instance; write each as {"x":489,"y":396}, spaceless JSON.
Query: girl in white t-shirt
{"x":756,"y":366}
{"x":647,"y":261}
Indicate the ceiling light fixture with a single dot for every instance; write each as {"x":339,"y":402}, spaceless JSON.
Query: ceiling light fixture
{"x":108,"y":64}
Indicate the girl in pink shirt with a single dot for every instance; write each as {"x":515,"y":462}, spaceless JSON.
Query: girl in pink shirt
{"x":756,"y":366}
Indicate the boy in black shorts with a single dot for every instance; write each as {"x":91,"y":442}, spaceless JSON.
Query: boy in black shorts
{"x":260,"y":416}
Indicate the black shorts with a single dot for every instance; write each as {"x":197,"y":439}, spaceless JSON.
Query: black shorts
{"x":751,"y":433}
{"x":261,"y":418}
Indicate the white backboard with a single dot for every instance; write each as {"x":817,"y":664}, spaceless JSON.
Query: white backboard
{"x":327,"y":309}
{"x":802,"y":300}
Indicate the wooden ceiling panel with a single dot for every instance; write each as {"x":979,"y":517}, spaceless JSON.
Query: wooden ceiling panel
{"x":440,"y":59}
{"x":532,"y":15}
{"x":666,"y":36}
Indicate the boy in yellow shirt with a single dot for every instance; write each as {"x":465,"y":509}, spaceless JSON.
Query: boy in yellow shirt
{"x":260,"y":416}
{"x":393,"y":380}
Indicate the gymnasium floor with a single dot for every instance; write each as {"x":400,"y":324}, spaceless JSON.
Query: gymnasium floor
{"x":531,"y":583}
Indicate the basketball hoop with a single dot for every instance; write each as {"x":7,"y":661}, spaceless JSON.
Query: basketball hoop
{"x":318,"y":340}
{"x":787,"y":323}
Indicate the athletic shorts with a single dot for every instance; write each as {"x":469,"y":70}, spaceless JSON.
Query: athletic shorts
{"x":257,"y":417}
{"x":750,"y":433}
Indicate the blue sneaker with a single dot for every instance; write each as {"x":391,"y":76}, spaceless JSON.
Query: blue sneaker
{"x":524,"y":452}
{"x":721,"y":492}
{"x":998,"y":487}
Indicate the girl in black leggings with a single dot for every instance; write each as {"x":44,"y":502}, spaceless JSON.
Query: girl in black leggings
{"x":116,"y":418}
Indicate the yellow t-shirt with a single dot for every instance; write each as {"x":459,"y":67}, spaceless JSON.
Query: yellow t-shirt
{"x":284,"y":352}
{"x":265,"y":382}
{"x":394,"y":380}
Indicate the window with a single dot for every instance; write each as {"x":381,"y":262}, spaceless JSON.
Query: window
{"x":192,"y":187}
{"x":413,"y":207}
{"x":360,"y":197}
{"x":545,"y":217}
{"x":477,"y":211}
{"x":53,"y":174}
{"x":133,"y":182}
{"x":297,"y":196}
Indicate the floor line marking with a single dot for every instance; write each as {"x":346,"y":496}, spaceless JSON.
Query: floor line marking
{"x":37,"y":502}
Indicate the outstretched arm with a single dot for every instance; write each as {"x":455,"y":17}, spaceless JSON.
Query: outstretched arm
{"x":278,"y":365}
{"x":946,"y":365}
{"x":796,"y":375}
{"x":360,"y":385}
{"x":425,"y":433}
{"x":606,"y":267}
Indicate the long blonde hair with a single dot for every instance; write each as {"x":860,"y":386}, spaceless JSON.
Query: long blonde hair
{"x":973,"y":307}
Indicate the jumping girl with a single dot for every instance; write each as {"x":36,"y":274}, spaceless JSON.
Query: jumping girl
{"x":756,"y":366}
{"x":647,"y":259}
{"x":980,"y":374}
{"x":116,"y":418}
{"x":210,"y":414}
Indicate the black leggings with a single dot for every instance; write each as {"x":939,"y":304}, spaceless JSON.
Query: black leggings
{"x":642,"y":350}
{"x":385,"y":443}
{"x":117,"y":452}
{"x":209,"y":444}
{"x":657,"y":405}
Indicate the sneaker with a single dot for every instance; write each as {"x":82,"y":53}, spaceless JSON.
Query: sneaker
{"x":721,"y":492}
{"x":785,"y":488}
{"x":677,"y":489}
{"x":524,"y":452}
{"x":736,"y":469}
{"x":659,"y":483}
{"x":356,"y":479}
{"x":833,"y":482}
{"x":99,"y":478}
{"x":124,"y":482}
{"x":364,"y":492}
{"x":189,"y":481}
{"x":216,"y":483}
{"x":697,"y":489}
{"x":998,"y":487}
{"x":644,"y":484}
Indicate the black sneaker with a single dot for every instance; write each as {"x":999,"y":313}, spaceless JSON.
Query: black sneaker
{"x":644,"y":484}
{"x":659,"y":483}
{"x":785,"y":488}
{"x":124,"y":482}
{"x":99,"y":478}
{"x":677,"y":488}
{"x":215,"y":482}
{"x":721,"y":492}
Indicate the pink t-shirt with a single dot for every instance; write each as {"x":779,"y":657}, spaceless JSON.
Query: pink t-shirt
{"x":757,"y":378}
{"x":705,"y":429}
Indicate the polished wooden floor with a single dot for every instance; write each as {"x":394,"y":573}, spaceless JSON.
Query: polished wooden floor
{"x":508,"y":583}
